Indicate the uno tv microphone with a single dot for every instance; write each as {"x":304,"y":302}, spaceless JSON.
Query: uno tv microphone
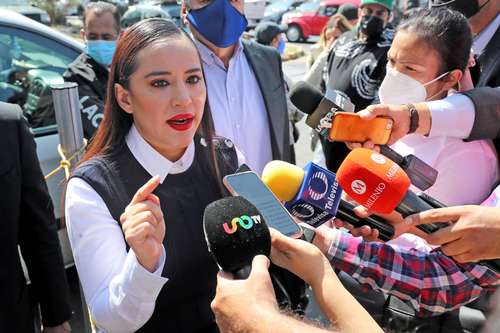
{"x":235,"y":232}
{"x":380,"y":185}
{"x":313,"y":195}
{"x":321,"y":108}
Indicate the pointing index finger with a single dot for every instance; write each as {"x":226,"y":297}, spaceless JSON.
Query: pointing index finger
{"x":145,"y":190}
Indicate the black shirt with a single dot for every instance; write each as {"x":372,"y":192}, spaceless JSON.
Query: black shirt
{"x":92,"y":79}
{"x":356,"y":68}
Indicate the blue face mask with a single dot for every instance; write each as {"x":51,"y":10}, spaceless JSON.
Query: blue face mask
{"x":281,"y":46}
{"x":219,"y":22}
{"x":101,"y":50}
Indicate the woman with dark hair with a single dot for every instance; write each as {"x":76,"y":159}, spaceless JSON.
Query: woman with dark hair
{"x":427,"y":61}
{"x":153,"y":153}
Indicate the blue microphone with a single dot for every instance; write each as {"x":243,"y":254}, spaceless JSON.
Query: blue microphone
{"x":313,"y":195}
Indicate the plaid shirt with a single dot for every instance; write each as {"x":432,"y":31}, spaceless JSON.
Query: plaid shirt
{"x":431,"y":283}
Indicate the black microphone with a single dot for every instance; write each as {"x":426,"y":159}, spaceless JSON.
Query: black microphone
{"x":321,"y":108}
{"x":235,"y":233}
{"x":318,"y":107}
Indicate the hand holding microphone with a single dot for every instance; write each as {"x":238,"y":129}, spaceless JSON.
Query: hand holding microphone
{"x":313,"y":196}
{"x":235,"y":232}
{"x":473,"y":235}
{"x":375,"y":125}
{"x":253,"y":295}
{"x":143,"y":225}
{"x":308,"y":262}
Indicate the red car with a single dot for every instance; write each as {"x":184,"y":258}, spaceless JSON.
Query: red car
{"x":310,"y":18}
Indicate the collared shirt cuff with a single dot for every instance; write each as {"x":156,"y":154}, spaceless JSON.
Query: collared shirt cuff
{"x":452,"y":116}
{"x":141,"y":283}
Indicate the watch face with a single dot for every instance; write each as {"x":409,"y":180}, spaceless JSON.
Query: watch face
{"x":413,"y":118}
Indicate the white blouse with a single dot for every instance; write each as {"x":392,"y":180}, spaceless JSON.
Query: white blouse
{"x":120,"y":293}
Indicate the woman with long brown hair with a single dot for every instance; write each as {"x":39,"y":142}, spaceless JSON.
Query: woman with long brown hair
{"x":154,"y":154}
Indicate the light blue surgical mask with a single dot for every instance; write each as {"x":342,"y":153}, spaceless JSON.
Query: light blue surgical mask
{"x":281,"y":46}
{"x":101,"y":51}
{"x":219,"y":22}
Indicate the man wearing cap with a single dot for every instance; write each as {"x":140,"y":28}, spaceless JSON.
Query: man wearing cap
{"x":356,"y":64}
{"x":350,"y":12}
{"x":272,"y":34}
{"x":244,"y":80}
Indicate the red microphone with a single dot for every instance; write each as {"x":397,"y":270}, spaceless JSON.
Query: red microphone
{"x":380,"y":185}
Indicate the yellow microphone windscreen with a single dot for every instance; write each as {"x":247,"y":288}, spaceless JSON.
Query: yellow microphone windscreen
{"x":284,"y":179}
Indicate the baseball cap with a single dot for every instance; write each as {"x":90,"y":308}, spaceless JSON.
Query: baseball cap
{"x":386,"y":3}
{"x":349,"y":11}
{"x":266,"y":31}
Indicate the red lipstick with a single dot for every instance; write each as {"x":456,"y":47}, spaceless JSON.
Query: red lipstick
{"x":181,"y":122}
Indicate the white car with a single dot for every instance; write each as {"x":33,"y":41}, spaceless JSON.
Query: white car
{"x":32,"y":57}
{"x":254,"y":12}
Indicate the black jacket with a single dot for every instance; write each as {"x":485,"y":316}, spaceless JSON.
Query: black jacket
{"x":487,"y":71}
{"x":355,"y":68}
{"x":92,"y":79}
{"x":27,"y":221}
{"x":265,"y":62}
{"x":486,"y":97}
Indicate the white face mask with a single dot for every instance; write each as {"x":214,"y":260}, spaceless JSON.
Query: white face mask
{"x":399,"y":88}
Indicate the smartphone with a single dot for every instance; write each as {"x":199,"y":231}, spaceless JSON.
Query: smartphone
{"x":248,"y":185}
{"x":348,"y":126}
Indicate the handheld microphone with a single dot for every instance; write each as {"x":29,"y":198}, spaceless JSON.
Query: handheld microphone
{"x":380,"y":185}
{"x":235,"y":232}
{"x":321,"y":108}
{"x":318,"y":107}
{"x":313,"y":195}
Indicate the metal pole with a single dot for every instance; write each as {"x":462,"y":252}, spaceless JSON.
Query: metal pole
{"x":68,"y":117}
{"x":69,"y":125}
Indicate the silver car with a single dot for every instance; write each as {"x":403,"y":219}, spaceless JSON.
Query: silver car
{"x":34,"y":56}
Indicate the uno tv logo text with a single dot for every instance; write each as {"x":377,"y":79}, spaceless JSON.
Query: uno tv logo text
{"x":245,"y":221}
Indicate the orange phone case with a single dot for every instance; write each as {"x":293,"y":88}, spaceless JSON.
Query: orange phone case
{"x":347,"y":126}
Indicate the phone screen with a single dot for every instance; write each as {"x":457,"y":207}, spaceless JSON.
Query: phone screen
{"x":251,"y":187}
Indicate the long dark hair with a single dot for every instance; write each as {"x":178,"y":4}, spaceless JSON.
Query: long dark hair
{"x":116,"y":122}
{"x":444,"y":30}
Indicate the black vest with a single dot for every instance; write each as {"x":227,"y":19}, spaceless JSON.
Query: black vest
{"x":183,"y":304}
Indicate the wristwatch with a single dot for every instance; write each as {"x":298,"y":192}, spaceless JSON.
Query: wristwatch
{"x":414,"y":118}
{"x":308,"y":233}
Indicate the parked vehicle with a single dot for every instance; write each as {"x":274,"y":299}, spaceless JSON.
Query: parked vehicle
{"x":34,"y":56}
{"x":137,"y":13}
{"x":171,"y":7}
{"x":274,"y":11}
{"x":25,"y":8}
{"x":254,"y":12}
{"x":310,"y":18}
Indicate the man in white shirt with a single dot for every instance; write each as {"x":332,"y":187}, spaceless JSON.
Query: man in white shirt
{"x":245,"y":82}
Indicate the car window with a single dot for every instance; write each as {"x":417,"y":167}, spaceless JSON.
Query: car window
{"x":29,"y":65}
{"x":308,"y":7}
{"x":328,"y":10}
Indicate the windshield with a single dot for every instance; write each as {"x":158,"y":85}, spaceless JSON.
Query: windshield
{"x":279,"y":6}
{"x":13,"y":2}
{"x":308,"y":7}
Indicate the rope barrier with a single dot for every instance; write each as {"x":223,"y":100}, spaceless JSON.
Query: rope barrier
{"x":65,"y":163}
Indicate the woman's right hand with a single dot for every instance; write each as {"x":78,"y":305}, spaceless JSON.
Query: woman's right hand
{"x":143,"y":225}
